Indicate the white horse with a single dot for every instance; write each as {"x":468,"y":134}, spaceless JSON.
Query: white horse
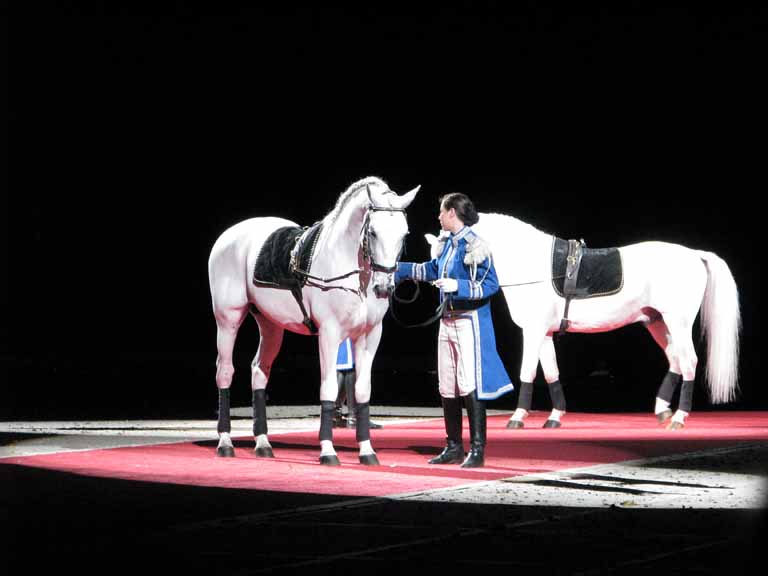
{"x":664,"y":286}
{"x":348,"y":281}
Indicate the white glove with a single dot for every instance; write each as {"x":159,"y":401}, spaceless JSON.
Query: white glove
{"x":447,"y":284}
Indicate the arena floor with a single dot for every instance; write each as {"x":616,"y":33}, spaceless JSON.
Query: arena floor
{"x":607,"y":493}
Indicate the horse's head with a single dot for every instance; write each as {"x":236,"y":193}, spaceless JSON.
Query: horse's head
{"x":384,"y":234}
{"x":436,"y":243}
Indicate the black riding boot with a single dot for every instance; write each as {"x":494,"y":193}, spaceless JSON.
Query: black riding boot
{"x":338,"y":416}
{"x":454,"y":449}
{"x":477,"y":431}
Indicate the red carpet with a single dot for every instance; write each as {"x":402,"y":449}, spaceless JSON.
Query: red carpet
{"x":585,"y":439}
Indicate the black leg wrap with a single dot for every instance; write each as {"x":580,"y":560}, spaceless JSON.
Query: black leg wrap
{"x":557,"y":395}
{"x":326,"y":420}
{"x":259,"y":412}
{"x":224,"y":422}
{"x":686,"y":396}
{"x":525,"y":399}
{"x":363,"y":413}
{"x":668,"y":386}
{"x":477,"y":431}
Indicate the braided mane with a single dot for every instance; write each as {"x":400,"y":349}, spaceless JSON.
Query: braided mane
{"x":350,"y":193}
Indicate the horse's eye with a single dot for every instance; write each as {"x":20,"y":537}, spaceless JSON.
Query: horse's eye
{"x":373,"y":233}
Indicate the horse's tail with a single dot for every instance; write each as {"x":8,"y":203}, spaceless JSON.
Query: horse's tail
{"x":721,"y":324}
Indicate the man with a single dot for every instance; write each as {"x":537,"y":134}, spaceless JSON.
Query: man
{"x":468,"y":365}
{"x":345,"y":374}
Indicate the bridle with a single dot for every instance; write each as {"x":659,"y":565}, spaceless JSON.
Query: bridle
{"x":368,"y":257}
{"x":366,"y":239}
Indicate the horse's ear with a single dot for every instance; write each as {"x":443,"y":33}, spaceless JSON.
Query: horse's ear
{"x":407,"y":198}
{"x":431,"y":239}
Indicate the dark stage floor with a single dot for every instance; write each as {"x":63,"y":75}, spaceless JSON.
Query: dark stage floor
{"x":680,"y":513}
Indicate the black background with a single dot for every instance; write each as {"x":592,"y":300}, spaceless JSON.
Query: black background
{"x":139,"y":132}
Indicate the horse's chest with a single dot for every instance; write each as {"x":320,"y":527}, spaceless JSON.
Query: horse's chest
{"x":363,"y":312}
{"x":366,"y":313}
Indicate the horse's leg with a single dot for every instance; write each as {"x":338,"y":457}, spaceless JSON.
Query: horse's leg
{"x":548,"y":361}
{"x":685,"y":352}
{"x":227,"y":324}
{"x":365,"y":350}
{"x":532,"y":342}
{"x":328,"y":344}
{"x":660,"y":333}
{"x":270,"y":340}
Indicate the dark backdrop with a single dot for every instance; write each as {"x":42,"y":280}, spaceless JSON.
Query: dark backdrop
{"x":140,"y":132}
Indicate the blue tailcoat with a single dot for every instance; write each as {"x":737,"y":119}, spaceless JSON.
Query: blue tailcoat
{"x":345,"y":358}
{"x":463,"y":258}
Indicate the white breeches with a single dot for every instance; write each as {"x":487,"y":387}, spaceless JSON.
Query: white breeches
{"x":457,"y":366}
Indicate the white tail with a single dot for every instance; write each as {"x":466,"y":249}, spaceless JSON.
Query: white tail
{"x":721,"y":325}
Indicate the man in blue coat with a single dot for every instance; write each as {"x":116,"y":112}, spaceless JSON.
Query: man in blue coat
{"x":468,"y":365}
{"x":346,"y":375}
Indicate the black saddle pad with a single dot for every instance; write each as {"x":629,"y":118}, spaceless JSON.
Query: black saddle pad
{"x":274,"y":262}
{"x":600,"y":273}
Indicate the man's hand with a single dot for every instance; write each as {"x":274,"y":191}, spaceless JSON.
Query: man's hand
{"x":447,"y":284}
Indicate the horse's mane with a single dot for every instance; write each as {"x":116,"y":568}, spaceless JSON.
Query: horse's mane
{"x":350,"y":193}
{"x":493,"y":221}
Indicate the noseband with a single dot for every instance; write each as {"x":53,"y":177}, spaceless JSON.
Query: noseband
{"x":366,"y":242}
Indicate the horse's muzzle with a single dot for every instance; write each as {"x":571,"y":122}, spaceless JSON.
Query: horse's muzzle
{"x":384,"y":290}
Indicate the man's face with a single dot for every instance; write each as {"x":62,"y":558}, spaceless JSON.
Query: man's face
{"x":448,"y":219}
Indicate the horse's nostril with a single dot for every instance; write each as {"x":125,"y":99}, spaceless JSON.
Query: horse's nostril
{"x":383,"y":291}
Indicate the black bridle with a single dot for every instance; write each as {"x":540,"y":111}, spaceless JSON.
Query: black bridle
{"x":365,"y":234}
{"x":366,"y":242}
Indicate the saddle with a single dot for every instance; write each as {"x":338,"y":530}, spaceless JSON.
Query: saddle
{"x":284,"y":259}
{"x":579,"y":272}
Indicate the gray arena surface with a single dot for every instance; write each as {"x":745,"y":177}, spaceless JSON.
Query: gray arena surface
{"x":699,"y":512}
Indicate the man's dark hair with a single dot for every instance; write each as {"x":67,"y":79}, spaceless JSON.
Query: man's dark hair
{"x":464,"y":207}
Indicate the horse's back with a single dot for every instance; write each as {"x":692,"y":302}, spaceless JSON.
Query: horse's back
{"x":661,"y":258}
{"x":234,"y":253}
{"x":674,"y":274}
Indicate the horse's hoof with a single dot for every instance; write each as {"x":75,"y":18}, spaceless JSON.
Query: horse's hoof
{"x":675,"y":425}
{"x":552,"y":424}
{"x":225,"y":452}
{"x":331,"y":460}
{"x":369,"y":460}
{"x":663,"y":417}
{"x":264,"y":452}
{"x":515,"y":424}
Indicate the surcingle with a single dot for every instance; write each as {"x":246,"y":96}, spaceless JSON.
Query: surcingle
{"x":599,"y":272}
{"x":278,"y":253}
{"x":284,"y":252}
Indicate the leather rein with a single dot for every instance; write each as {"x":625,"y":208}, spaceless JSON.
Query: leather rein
{"x":365,"y":234}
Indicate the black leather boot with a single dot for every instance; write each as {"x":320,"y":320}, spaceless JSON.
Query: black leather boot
{"x":453,"y":453}
{"x":339,"y":421}
{"x":477,"y":431}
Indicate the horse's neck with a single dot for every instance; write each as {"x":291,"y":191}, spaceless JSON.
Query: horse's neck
{"x":340,"y":238}
{"x":520,"y":251}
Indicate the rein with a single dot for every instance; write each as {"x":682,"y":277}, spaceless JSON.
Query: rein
{"x":532,"y":282}
{"x":441,"y":308}
{"x":367,"y":255}
{"x":434,"y":318}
